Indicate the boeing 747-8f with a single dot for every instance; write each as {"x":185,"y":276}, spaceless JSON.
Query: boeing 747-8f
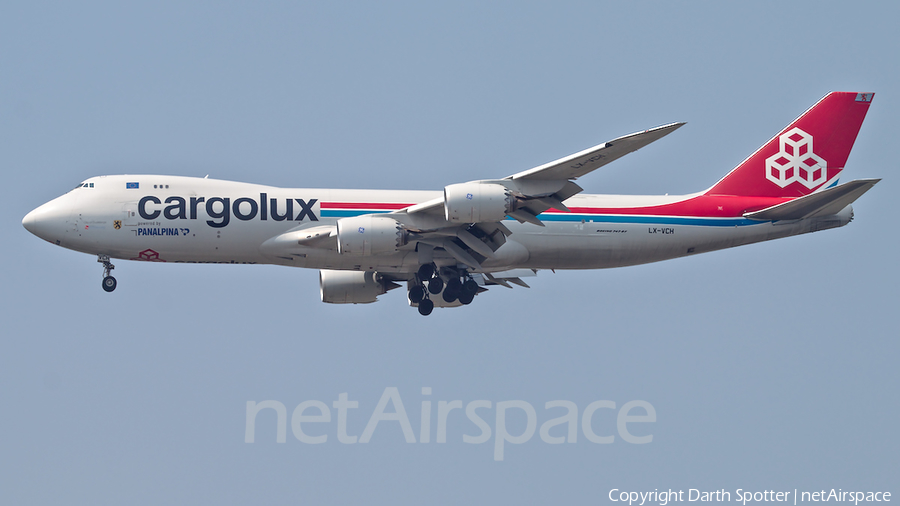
{"x":448,"y":246}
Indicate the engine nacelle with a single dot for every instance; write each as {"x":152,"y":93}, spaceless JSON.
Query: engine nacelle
{"x":369,"y":235}
{"x":349,"y":287}
{"x":476,"y":202}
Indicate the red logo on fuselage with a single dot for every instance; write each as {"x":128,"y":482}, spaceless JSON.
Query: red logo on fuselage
{"x":148,"y":255}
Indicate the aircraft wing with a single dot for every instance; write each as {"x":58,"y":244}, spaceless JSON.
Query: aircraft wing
{"x":529,"y":194}
{"x":467,"y":222}
{"x":579,"y":164}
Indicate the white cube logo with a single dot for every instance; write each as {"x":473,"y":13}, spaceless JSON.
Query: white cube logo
{"x":795,"y":161}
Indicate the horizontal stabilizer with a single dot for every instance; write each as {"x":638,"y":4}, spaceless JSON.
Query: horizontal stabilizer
{"x":823,"y":203}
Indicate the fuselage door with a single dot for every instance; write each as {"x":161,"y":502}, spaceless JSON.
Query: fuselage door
{"x":130,"y":216}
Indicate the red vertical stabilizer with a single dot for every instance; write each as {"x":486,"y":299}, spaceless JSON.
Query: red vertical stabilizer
{"x":807,"y":156}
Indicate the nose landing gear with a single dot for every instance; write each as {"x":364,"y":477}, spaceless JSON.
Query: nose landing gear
{"x":109,"y":282}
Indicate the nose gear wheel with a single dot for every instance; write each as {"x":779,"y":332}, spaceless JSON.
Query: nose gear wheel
{"x":109,"y":283}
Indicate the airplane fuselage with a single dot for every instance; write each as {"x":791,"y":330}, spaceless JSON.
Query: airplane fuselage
{"x":195,"y":220}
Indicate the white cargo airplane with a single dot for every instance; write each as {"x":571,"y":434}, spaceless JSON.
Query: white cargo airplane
{"x":448,"y":246}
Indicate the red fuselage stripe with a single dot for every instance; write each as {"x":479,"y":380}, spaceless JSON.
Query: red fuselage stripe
{"x":710,"y":206}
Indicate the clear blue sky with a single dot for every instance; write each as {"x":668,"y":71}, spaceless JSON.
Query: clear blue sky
{"x":772,"y":366}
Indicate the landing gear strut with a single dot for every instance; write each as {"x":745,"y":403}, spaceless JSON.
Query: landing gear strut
{"x":109,"y":282}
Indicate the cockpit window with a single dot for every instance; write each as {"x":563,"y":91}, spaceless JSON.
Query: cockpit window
{"x":85,"y":185}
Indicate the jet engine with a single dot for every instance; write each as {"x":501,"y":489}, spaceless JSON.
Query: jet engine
{"x":349,"y":287}
{"x":369,"y":235}
{"x":477,"y":202}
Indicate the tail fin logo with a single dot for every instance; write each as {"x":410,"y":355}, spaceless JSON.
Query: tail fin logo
{"x":796,"y":162}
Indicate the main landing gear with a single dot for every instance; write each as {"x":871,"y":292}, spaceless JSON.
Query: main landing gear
{"x":109,"y":282}
{"x":459,"y":287}
{"x":418,"y":294}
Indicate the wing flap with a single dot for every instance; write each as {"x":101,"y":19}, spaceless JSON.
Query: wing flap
{"x":514,"y":276}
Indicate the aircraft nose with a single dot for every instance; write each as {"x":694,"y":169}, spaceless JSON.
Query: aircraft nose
{"x":47,"y":221}
{"x":29,"y":222}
